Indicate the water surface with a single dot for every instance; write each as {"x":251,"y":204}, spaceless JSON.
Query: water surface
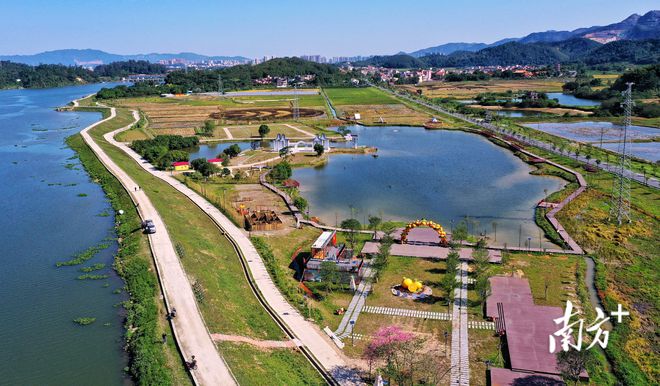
{"x":437,"y":174}
{"x":570,"y":100}
{"x":45,"y":221}
{"x":590,"y":131}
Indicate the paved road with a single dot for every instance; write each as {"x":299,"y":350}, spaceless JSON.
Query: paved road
{"x":310,"y":336}
{"x":653,"y":182}
{"x":188,"y":326}
{"x":460,"y":360}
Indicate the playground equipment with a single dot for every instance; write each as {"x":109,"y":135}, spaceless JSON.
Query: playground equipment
{"x":424,"y":223}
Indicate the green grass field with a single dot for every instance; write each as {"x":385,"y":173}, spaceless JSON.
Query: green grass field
{"x":229,"y":305}
{"x":359,"y":96}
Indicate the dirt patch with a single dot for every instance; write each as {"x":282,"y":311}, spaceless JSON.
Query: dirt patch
{"x":263,"y":114}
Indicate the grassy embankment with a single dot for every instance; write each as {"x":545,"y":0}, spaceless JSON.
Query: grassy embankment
{"x":224,"y":296}
{"x":151,"y":361}
{"x":627,"y":267}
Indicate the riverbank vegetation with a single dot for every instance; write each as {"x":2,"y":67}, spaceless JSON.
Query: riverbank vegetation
{"x":626,"y":264}
{"x":151,"y":362}
{"x":19,"y":75}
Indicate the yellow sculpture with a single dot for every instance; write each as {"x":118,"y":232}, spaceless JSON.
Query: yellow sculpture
{"x":412,"y":285}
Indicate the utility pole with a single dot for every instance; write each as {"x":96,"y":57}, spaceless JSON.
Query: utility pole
{"x":221,"y":90}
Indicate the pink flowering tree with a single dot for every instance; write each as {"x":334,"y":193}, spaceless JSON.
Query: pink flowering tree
{"x":397,"y":350}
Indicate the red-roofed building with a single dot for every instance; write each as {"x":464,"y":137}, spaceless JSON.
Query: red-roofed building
{"x":183,"y":165}
{"x":291,"y":183}
{"x":215,"y":161}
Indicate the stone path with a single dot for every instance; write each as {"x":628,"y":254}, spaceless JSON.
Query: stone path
{"x":481,"y":325}
{"x":407,"y":312}
{"x":460,"y":361}
{"x":256,"y":342}
{"x":189,"y":329}
{"x":228,"y":133}
{"x":356,"y":305}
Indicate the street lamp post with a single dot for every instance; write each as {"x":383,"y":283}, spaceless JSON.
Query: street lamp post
{"x":352,"y":322}
{"x":446,"y":334}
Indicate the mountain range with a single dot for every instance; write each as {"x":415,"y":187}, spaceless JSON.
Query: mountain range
{"x":634,"y":27}
{"x":93,"y":57}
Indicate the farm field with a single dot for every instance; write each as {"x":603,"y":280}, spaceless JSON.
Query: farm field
{"x":187,"y":113}
{"x":359,"y":96}
{"x":384,"y":114}
{"x":466,"y":90}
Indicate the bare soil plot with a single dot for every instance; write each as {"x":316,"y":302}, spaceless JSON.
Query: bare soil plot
{"x":549,"y":110}
{"x":465,"y":90}
{"x":390,"y":114}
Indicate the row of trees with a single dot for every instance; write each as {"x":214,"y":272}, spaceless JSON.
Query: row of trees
{"x":13,"y":75}
{"x":162,"y":150}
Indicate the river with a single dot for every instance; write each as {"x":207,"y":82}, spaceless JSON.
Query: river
{"x":52,"y":211}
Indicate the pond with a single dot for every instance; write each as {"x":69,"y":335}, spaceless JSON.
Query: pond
{"x":591,"y":131}
{"x":649,"y":151}
{"x":437,"y":174}
{"x":212,"y":150}
{"x":570,"y":100}
{"x":516,"y":114}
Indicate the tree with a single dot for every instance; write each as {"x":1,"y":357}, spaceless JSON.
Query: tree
{"x":573,"y":362}
{"x":300,"y":203}
{"x":226,"y":172}
{"x":263,"y":131}
{"x":381,"y":259}
{"x":329,"y":274}
{"x":460,"y":232}
{"x":352,"y":225}
{"x":398,"y":350}
{"x":448,"y":285}
{"x":374,"y":222}
{"x":231,"y":152}
{"x":284,"y":151}
{"x":319,"y":149}
{"x":208,"y":129}
{"x":281,"y":171}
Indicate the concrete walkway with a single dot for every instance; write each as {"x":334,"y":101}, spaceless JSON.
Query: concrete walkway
{"x":228,"y":133}
{"x":355,"y":306}
{"x":460,"y":360}
{"x":310,"y":336}
{"x":188,"y":326}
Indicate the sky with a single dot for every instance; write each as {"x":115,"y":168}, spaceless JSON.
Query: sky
{"x":286,"y":27}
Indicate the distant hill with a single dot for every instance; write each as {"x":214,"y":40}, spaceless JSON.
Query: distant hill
{"x":567,"y":51}
{"x":92,"y":57}
{"x":634,"y":27}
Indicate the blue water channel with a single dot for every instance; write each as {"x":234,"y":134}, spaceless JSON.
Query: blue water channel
{"x":50,"y":212}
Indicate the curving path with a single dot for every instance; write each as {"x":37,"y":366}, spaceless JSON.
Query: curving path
{"x":309,"y":335}
{"x":189,"y":329}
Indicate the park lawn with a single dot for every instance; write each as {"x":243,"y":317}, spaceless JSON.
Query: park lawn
{"x":252,"y":131}
{"x":559,"y":271}
{"x":359,"y":96}
{"x":367,"y":324}
{"x":429,"y":272}
{"x":484,"y":346}
{"x":262,"y":366}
